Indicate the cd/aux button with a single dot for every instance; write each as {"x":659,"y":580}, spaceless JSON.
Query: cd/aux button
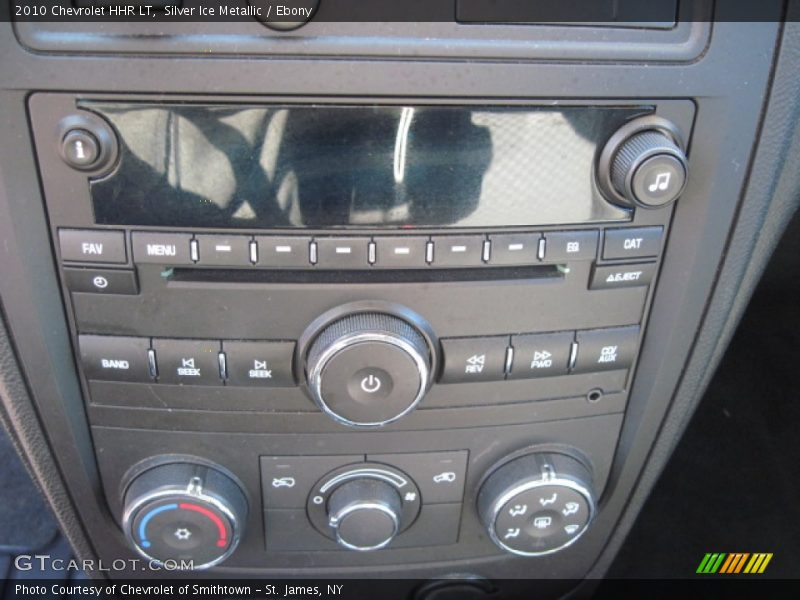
{"x":606,"y":349}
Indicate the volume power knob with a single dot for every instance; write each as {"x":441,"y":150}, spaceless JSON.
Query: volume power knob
{"x":368,"y":369}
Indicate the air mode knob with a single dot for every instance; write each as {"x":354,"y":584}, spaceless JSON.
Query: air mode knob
{"x":365,"y":514}
{"x":188,"y":513}
{"x":538,"y":503}
{"x":368,"y":369}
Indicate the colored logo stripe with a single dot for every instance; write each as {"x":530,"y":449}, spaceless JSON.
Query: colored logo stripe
{"x":758,"y":563}
{"x":734,"y":563}
{"x":711,"y":563}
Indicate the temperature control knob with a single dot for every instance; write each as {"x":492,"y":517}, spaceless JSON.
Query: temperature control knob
{"x":368,"y":369}
{"x":184,"y":512}
{"x":537,"y":504}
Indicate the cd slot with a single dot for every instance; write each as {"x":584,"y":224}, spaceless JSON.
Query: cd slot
{"x":234,"y":276}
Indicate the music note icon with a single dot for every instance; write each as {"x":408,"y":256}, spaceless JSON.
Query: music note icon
{"x":661,"y":182}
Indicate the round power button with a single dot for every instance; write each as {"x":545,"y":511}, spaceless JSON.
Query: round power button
{"x":80,"y":149}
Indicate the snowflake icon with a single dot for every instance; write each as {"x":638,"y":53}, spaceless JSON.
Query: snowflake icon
{"x":182,"y":533}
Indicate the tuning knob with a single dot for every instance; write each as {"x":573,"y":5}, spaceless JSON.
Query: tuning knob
{"x":368,"y":369}
{"x":537,"y":504}
{"x":187,"y":513}
{"x":644,"y":164}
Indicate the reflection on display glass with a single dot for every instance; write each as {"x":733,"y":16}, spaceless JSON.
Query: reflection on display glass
{"x":185,"y":165}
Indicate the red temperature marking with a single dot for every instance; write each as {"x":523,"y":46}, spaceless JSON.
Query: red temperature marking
{"x":217,"y":521}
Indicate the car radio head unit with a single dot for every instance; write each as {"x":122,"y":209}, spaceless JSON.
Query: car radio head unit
{"x":276,"y":300}
{"x":346,"y":166}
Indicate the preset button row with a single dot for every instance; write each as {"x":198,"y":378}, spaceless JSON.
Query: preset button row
{"x":524,"y":356}
{"x":187,"y":362}
{"x":346,"y":252}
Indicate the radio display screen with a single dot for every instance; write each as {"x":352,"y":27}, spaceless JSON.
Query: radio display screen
{"x":341,"y":166}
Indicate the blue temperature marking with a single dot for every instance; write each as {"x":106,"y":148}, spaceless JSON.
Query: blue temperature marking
{"x":147,"y":517}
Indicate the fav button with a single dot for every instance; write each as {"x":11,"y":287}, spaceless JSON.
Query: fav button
{"x":92,"y":245}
